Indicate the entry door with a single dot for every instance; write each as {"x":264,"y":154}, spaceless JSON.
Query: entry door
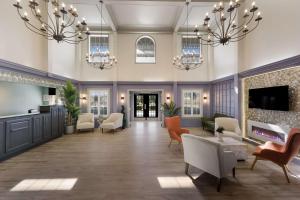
{"x":146,"y":105}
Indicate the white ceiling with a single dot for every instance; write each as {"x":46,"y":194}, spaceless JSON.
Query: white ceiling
{"x":197,"y":14}
{"x":91,"y":13}
{"x":145,"y":14}
{"x":141,"y":15}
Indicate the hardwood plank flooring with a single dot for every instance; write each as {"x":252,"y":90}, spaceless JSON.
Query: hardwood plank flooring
{"x":129,"y":165}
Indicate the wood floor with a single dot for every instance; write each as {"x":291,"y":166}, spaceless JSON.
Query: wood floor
{"x":134,"y":164}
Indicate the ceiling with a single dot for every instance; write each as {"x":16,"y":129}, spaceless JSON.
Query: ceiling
{"x":142,"y":15}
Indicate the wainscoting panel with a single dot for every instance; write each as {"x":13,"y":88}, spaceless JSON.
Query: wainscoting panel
{"x":223,"y":97}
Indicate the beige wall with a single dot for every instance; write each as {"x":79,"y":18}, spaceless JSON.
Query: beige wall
{"x":199,"y":74}
{"x":225,"y":61}
{"x":20,"y":45}
{"x":276,"y":38}
{"x":62,"y":59}
{"x":128,"y":70}
{"x":17,"y":43}
{"x":88,"y":73}
{"x":123,"y":47}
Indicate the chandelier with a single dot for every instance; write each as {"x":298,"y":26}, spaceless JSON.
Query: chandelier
{"x":226,"y":29}
{"x":57,"y":25}
{"x":188,"y":60}
{"x":99,"y":59}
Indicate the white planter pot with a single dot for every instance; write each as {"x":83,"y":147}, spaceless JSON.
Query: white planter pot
{"x":69,"y":129}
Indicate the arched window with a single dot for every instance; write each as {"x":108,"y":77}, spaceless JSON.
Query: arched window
{"x":145,"y":50}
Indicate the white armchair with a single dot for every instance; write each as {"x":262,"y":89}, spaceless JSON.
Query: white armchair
{"x":85,"y":121}
{"x":207,"y":156}
{"x":231,"y":127}
{"x":114,"y":121}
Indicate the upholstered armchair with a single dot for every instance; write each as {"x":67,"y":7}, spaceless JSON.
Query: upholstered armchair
{"x":114,"y":121}
{"x":174,"y":129}
{"x":85,"y":121}
{"x":208,"y":123}
{"x":231,"y":127}
{"x":279,"y":154}
{"x":208,"y":157}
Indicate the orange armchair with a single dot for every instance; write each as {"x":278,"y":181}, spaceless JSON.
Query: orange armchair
{"x":279,"y":154}
{"x":174,"y":129}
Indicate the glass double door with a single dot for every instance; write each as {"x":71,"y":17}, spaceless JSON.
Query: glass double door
{"x":146,"y":105}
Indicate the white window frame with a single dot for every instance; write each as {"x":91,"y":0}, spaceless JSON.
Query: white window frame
{"x":89,"y":45}
{"x":200,"y":46}
{"x":136,"y":45}
{"x":200,"y":106}
{"x":98,"y":106}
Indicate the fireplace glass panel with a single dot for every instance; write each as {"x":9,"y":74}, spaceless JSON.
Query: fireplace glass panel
{"x":268,"y":134}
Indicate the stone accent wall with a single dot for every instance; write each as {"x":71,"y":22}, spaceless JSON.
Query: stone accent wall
{"x":289,"y":77}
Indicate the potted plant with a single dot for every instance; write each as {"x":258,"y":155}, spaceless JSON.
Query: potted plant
{"x":170,"y":110}
{"x":220,"y":133}
{"x":70,"y":96}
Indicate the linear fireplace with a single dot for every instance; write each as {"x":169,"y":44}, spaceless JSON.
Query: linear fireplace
{"x":267,"y":132}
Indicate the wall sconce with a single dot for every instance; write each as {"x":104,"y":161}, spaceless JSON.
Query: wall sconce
{"x":122,"y":98}
{"x":205,"y":98}
{"x":83,"y":99}
{"x":168,"y":98}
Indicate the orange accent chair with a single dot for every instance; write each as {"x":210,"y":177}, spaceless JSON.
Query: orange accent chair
{"x":279,"y":154}
{"x":174,"y":129}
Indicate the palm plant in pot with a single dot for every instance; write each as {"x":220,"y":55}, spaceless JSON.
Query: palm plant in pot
{"x":70,"y":96}
{"x":170,"y":109}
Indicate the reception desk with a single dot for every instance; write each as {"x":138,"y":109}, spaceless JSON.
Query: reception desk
{"x":21,"y":132}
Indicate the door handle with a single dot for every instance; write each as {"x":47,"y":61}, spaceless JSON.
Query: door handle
{"x":145,"y":106}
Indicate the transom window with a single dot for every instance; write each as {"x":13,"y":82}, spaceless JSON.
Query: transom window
{"x":145,"y":50}
{"x":191,"y":45}
{"x":98,"y":44}
{"x":99,"y":102}
{"x":192,"y":103}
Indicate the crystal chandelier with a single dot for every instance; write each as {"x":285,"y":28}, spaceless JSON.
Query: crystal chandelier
{"x":226,"y":29}
{"x":187,"y":61}
{"x":57,"y":25}
{"x":99,"y":59}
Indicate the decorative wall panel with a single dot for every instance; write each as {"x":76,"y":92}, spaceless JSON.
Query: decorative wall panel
{"x":223,"y":97}
{"x":18,"y":77}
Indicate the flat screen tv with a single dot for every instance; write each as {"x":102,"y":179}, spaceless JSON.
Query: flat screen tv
{"x":52,"y":91}
{"x":271,"y":98}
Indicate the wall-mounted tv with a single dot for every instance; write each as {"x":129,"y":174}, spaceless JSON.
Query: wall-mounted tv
{"x":52,"y":91}
{"x":271,"y":98}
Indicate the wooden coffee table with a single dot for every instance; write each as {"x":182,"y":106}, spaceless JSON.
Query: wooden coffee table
{"x":230,"y":144}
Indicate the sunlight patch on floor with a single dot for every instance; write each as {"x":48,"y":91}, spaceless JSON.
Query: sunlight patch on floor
{"x":45,"y":184}
{"x":175,"y":182}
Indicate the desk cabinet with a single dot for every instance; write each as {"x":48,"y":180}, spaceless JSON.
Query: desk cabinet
{"x":2,"y":138}
{"x":37,"y":129}
{"x":19,"y":133}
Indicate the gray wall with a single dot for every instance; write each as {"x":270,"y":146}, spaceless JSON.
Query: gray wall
{"x":19,"y":98}
{"x":223,"y":98}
